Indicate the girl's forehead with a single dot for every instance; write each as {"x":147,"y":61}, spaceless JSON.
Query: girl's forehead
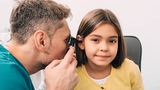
{"x":104,"y":30}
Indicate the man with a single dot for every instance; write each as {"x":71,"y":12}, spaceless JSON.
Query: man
{"x":39,"y":40}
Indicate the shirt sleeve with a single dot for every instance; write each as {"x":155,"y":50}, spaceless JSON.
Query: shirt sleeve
{"x":42,"y":86}
{"x":14,"y":77}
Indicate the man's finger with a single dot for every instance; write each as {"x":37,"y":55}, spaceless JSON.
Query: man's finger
{"x":68,"y":57}
{"x":54,"y":63}
{"x":74,"y":62}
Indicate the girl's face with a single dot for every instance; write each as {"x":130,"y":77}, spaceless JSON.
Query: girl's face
{"x":101,"y":45}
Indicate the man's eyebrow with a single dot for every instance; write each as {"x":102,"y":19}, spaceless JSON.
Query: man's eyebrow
{"x":67,"y":36}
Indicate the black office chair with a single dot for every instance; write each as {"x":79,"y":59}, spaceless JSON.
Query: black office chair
{"x":134,"y":49}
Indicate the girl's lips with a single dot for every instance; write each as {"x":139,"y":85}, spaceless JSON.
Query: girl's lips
{"x":102,"y":56}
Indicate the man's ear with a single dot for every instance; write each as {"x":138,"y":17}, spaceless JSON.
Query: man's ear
{"x":81,"y":45}
{"x":40,"y":38}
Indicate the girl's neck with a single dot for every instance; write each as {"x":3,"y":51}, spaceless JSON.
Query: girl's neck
{"x":98,"y":72}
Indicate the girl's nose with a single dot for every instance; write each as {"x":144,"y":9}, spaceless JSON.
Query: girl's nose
{"x":104,"y":47}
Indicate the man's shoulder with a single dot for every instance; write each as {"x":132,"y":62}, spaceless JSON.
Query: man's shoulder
{"x":13,"y":76}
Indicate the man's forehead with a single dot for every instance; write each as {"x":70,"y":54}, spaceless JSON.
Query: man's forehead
{"x":62,"y":32}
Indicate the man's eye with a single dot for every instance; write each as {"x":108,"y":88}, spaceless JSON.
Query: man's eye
{"x":68,"y":40}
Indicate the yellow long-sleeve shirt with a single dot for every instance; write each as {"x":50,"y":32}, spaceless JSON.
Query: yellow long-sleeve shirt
{"x":127,"y":77}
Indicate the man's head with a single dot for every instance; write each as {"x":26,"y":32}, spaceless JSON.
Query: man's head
{"x":41,"y":27}
{"x":31,"y":15}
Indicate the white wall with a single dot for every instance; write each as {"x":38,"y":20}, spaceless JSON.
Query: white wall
{"x":137,"y":17}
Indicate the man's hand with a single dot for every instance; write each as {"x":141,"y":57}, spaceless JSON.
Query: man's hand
{"x":60,"y":74}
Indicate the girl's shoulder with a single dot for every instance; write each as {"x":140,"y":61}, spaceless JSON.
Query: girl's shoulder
{"x":129,"y":66}
{"x":127,"y":69}
{"x":129,"y":63}
{"x":80,"y":68}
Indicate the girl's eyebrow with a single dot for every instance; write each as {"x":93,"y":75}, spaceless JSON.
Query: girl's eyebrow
{"x":100,"y":36}
{"x":113,"y":37}
{"x":95,"y":35}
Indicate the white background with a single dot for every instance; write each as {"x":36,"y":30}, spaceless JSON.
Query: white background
{"x":137,"y":17}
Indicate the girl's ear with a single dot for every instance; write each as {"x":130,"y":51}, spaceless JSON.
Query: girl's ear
{"x":81,"y":45}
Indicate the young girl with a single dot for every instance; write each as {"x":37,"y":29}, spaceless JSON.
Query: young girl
{"x":101,"y":55}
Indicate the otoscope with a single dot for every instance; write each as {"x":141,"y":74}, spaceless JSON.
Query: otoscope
{"x":73,"y":41}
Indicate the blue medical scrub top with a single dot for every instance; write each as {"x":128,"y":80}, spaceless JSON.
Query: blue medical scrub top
{"x":13,"y":75}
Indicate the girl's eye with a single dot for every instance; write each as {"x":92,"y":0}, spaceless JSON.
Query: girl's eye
{"x":95,"y":40}
{"x":113,"y":41}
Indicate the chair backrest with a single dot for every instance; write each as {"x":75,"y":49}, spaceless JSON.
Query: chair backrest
{"x":134,"y":49}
